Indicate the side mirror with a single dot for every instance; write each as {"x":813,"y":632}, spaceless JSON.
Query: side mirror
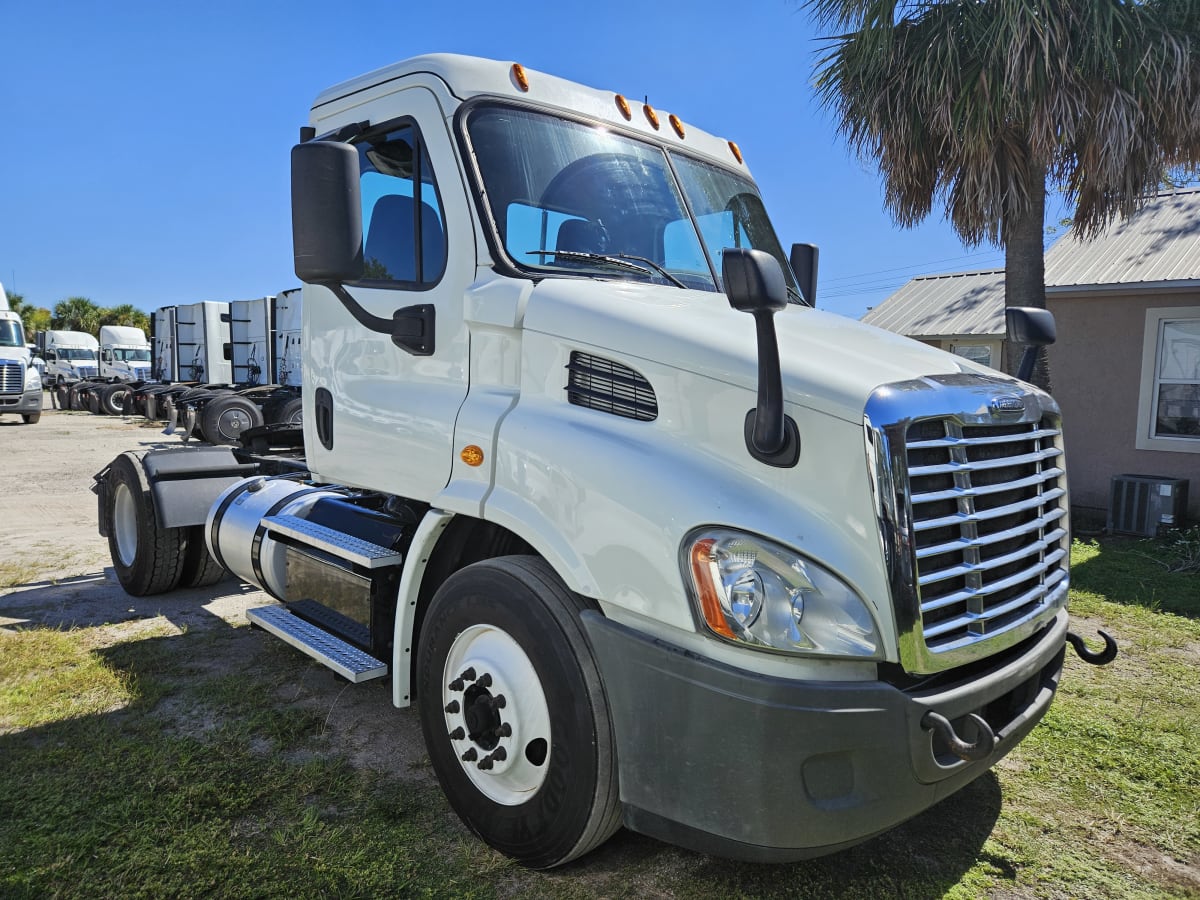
{"x":326,"y":213}
{"x":754,"y":284}
{"x":1033,"y":327}
{"x":804,"y":266}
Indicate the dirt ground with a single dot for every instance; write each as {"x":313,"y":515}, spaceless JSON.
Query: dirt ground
{"x":62,"y":576}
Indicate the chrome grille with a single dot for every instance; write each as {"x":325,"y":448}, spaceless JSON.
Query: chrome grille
{"x":971,"y":494}
{"x":608,"y":386}
{"x":988,"y":517}
{"x":12,"y":378}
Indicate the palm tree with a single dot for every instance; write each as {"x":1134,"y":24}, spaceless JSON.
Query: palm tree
{"x":125,"y":314}
{"x":980,"y":104}
{"x":77,"y":314}
{"x":33,"y":318}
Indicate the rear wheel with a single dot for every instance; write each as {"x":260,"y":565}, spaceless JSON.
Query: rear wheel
{"x":93,"y":403}
{"x":514,"y":714}
{"x":147,"y":558}
{"x":115,"y":399}
{"x":75,"y":398}
{"x":288,"y":412}
{"x":225,"y":418}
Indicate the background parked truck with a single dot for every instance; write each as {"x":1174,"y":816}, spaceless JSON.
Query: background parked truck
{"x":20,"y":383}
{"x":647,"y":538}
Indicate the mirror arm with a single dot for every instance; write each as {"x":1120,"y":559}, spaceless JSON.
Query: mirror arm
{"x":410,"y":328}
{"x":771,"y":435}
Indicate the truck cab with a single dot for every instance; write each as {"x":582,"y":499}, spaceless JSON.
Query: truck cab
{"x":70,"y":356}
{"x":124,"y":354}
{"x":20,"y":383}
{"x":647,"y":538}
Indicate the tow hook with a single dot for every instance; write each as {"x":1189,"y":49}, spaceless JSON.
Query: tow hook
{"x":984,"y":744}
{"x":1101,"y":658}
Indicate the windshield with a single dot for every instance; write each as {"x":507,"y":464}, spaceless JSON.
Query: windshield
{"x":574,"y":198}
{"x":10,"y":333}
{"x":77,"y":354}
{"x":125,"y":354}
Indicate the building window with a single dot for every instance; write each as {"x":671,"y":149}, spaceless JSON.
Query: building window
{"x":977,"y":353}
{"x":1169,"y":402}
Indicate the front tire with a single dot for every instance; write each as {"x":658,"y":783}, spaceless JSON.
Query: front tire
{"x":147,"y":558}
{"x":514,"y":713}
{"x":31,"y":418}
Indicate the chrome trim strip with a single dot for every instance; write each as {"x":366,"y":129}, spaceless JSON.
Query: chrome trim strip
{"x":983,"y":464}
{"x":998,"y":512}
{"x":1035,"y":525}
{"x":996,"y":562}
{"x":973,"y":441}
{"x":984,"y":490}
{"x":995,"y":587}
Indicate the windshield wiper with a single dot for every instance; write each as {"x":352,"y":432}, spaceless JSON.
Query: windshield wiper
{"x":659,"y":269}
{"x":619,"y":260}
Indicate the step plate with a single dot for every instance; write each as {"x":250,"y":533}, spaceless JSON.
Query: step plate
{"x":337,"y":543}
{"x":345,"y":659}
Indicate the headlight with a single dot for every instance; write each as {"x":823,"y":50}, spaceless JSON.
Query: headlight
{"x":756,"y":592}
{"x":32,"y":378}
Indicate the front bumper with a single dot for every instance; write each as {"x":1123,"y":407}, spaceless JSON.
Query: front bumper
{"x":729,"y":762}
{"x":28,"y":402}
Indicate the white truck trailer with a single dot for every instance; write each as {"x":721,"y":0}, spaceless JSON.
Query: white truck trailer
{"x":20,"y":383}
{"x":758,"y":584}
{"x":189,"y":352}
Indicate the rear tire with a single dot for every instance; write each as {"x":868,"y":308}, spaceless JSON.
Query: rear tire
{"x":93,"y":403}
{"x":147,"y":558}
{"x":74,"y":400}
{"x":31,"y":418}
{"x":289,"y":412}
{"x":115,"y":399}
{"x":514,"y":713}
{"x":225,"y":418}
{"x":199,"y":567}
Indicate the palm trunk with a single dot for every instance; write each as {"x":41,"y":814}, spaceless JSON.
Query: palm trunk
{"x":1025,"y":269}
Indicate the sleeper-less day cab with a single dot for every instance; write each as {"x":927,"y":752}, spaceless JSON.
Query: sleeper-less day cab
{"x":647,"y":539}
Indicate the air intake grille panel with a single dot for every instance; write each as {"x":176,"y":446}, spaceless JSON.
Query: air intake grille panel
{"x":989,"y":523}
{"x":610,"y":387}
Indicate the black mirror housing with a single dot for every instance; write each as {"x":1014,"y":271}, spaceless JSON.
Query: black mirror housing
{"x":1030,"y":325}
{"x":804,"y":266}
{"x":326,"y":213}
{"x":753,"y":280}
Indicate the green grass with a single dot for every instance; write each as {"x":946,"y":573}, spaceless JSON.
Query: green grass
{"x":141,"y":770}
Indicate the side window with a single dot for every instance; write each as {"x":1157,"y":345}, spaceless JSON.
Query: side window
{"x":405,"y":236}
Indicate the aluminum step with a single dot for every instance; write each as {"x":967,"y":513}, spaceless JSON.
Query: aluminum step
{"x":327,"y":649}
{"x":336,"y":543}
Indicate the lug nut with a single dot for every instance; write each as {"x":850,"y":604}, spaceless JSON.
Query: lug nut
{"x":499,"y":754}
{"x":505,"y":730}
{"x":456,"y":684}
{"x":498,"y":702}
{"x":485,"y":763}
{"x":452,"y":706}
{"x":457,"y":734}
{"x":485,"y":680}
{"x":470,"y":755}
{"x":468,"y":674}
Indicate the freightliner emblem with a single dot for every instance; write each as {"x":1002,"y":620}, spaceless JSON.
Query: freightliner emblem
{"x":1003,"y":405}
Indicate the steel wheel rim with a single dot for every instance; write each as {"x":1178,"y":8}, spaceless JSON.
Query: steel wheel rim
{"x":508,"y":763}
{"x":232,"y":422}
{"x":124,"y":523}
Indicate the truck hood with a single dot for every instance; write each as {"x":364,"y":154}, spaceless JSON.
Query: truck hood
{"x":830,"y":363}
{"x":13,"y":354}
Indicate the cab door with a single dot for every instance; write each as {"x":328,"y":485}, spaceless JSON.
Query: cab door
{"x":383,"y":416}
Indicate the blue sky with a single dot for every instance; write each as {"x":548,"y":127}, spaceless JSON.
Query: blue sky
{"x":144,"y":146}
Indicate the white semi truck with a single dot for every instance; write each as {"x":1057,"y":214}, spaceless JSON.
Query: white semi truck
{"x":70,"y":356}
{"x":646,"y":539}
{"x":189,"y":343}
{"x":124,"y":360}
{"x":20,"y":383}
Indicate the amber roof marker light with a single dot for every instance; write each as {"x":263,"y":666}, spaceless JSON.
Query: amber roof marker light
{"x":676,"y":124}
{"x":623,"y":107}
{"x":651,"y":115}
{"x":519,"y":76}
{"x":736,"y":151}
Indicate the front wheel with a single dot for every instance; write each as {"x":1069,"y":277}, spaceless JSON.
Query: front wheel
{"x":31,"y":418}
{"x":514,"y":714}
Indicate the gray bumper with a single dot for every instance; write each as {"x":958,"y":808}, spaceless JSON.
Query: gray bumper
{"x":729,"y":762}
{"x":28,"y":402}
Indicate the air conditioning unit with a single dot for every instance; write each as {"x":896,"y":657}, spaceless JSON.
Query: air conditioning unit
{"x":1142,"y":504}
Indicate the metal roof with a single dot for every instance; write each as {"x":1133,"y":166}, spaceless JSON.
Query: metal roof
{"x":1156,"y":248}
{"x":945,"y":305}
{"x":1159,"y":243}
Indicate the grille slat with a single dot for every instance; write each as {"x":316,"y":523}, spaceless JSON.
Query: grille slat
{"x":954,"y":468}
{"x":996,"y":513}
{"x":995,"y":562}
{"x":986,"y":502}
{"x":962,"y":493}
{"x":610,"y":387}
